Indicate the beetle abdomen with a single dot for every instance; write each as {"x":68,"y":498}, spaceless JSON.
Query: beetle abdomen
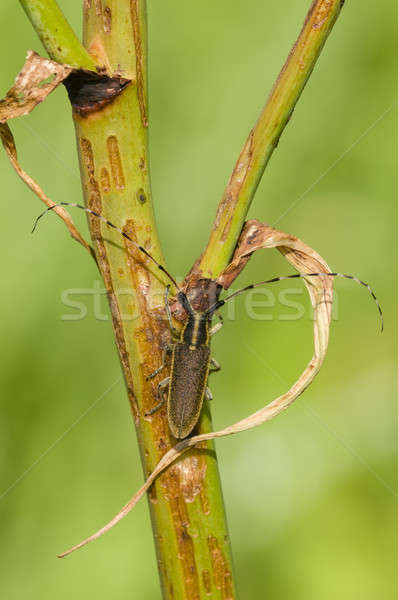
{"x":188,"y":378}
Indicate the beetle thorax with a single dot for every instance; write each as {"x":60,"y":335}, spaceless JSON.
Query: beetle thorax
{"x":196,"y":330}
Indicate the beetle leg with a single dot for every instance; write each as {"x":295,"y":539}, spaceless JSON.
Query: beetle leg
{"x":166,"y":352}
{"x":152,"y":375}
{"x":217,"y":326}
{"x":208,"y":394}
{"x":173,"y":330}
{"x":161,"y":385}
{"x":216,"y":366}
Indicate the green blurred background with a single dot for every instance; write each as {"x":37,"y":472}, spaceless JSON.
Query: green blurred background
{"x":311,"y":497}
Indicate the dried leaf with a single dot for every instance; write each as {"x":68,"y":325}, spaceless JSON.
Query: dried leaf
{"x":256,"y":236}
{"x":31,"y":87}
{"x":38,"y":78}
{"x":9,"y":146}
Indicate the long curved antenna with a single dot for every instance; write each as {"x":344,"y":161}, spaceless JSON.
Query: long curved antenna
{"x":92,"y":212}
{"x":220,"y":303}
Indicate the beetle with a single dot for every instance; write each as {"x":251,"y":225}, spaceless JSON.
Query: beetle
{"x":191,"y":364}
{"x":189,"y":355}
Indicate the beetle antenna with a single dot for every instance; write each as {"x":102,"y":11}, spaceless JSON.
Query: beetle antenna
{"x":220,"y":303}
{"x":92,"y":212}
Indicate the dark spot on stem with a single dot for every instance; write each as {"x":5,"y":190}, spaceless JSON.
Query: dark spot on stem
{"x":141,"y":197}
{"x":90,"y":92}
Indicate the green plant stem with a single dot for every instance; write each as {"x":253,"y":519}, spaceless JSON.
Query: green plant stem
{"x":186,"y":504}
{"x":264,"y":136}
{"x":56,"y":34}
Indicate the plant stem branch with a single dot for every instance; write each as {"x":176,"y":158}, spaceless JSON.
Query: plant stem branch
{"x":56,"y":35}
{"x":186,"y":503}
{"x":264,"y":136}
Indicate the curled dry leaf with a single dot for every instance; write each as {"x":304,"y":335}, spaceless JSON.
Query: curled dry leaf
{"x":256,"y":236}
{"x":38,"y":78}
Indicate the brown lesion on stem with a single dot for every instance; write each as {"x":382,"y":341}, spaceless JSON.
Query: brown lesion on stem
{"x":107,"y":19}
{"x":91,"y":92}
{"x":322,"y":13}
{"x":98,"y":7}
{"x":186,"y":549}
{"x":206,"y":581}
{"x":115,"y":161}
{"x":139,"y":59}
{"x":105,"y":180}
{"x":194,"y":469}
{"x":221,"y":573}
{"x":94,"y":194}
{"x":204,"y":500}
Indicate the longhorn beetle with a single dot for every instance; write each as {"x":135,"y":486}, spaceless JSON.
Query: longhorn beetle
{"x":191,"y":362}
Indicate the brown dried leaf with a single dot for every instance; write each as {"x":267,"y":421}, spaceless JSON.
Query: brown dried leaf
{"x":256,"y":236}
{"x":9,"y":146}
{"x":38,"y":78}
{"x":31,"y":87}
